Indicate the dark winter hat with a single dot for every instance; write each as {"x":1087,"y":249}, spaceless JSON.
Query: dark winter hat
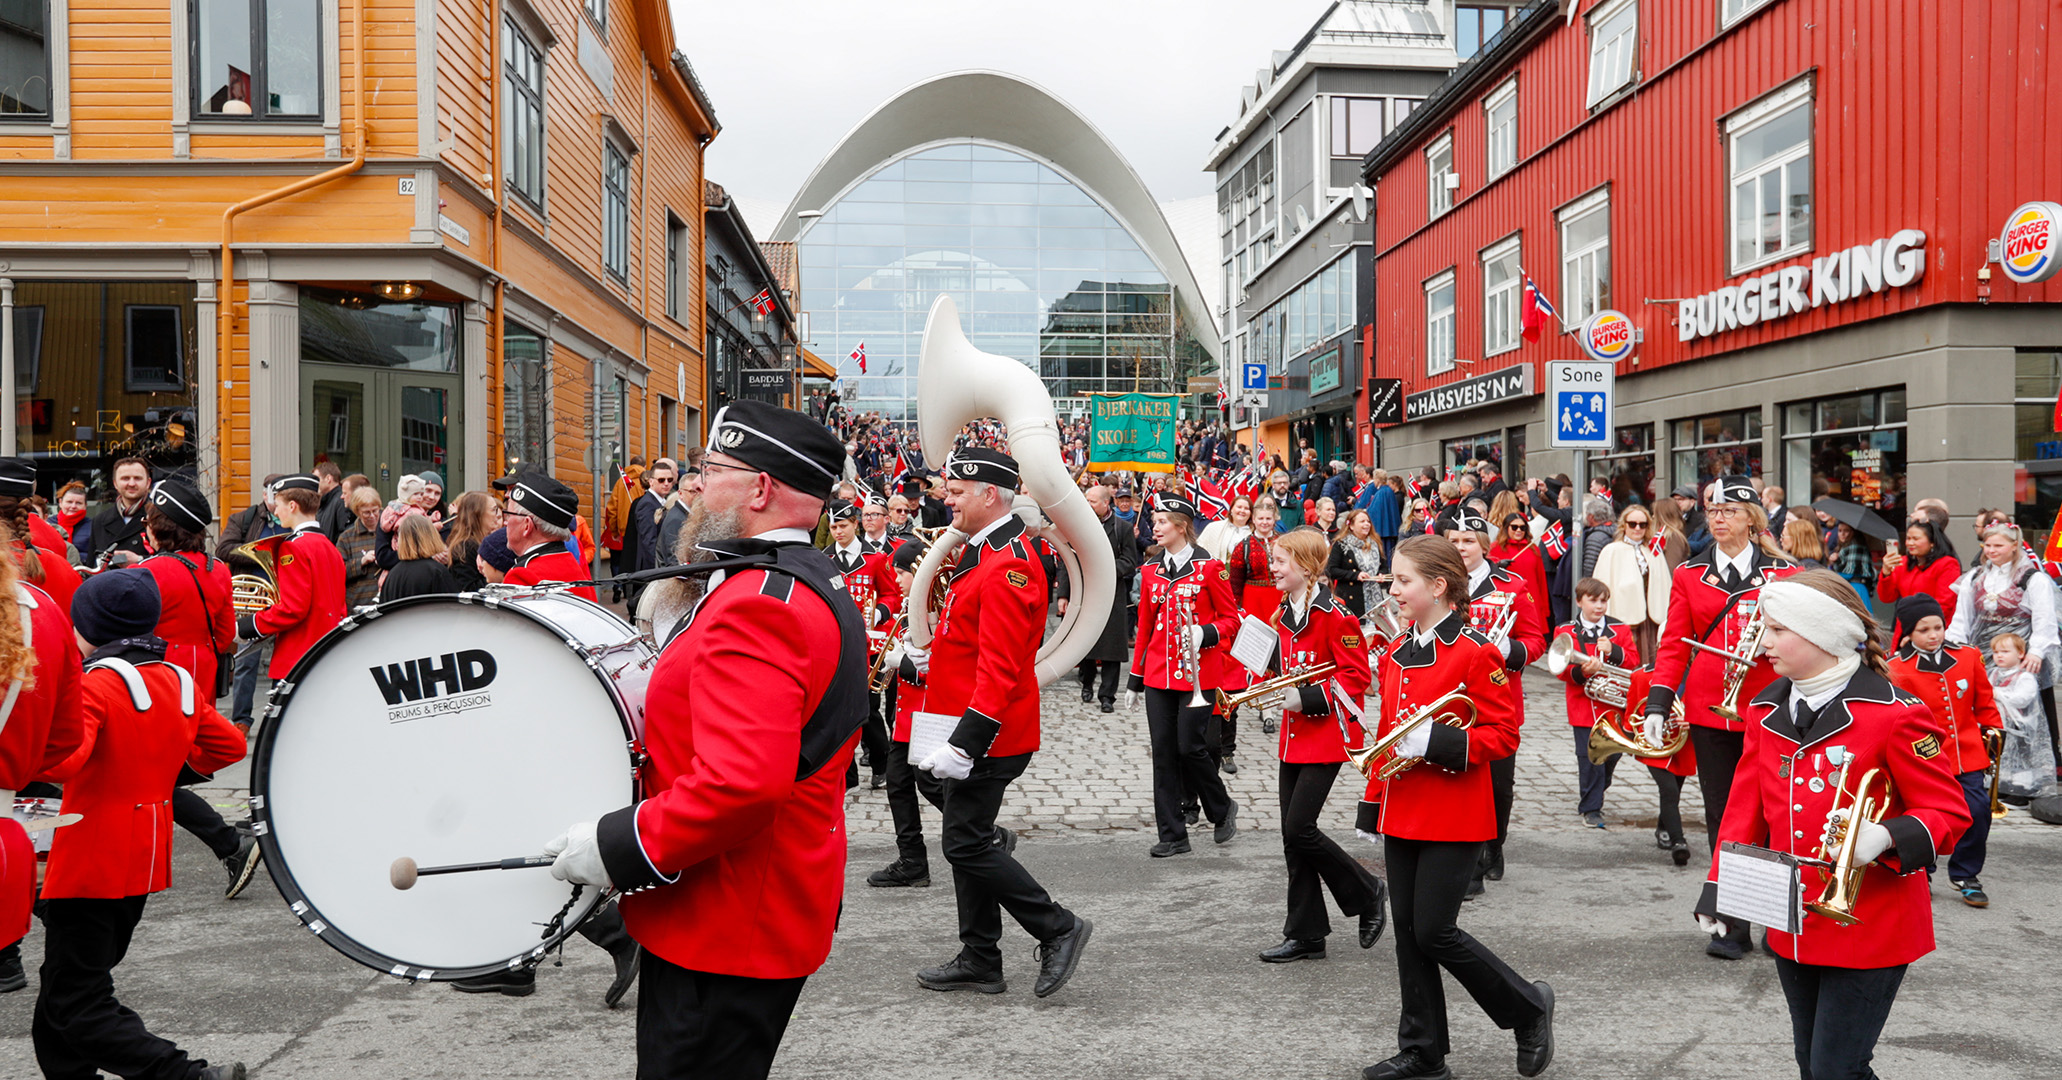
{"x":1911,"y":609}
{"x":494,"y":551}
{"x":782,"y":443}
{"x":110,"y":607}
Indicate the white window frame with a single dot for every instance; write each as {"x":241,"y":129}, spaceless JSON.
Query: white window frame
{"x":1440,"y":323}
{"x":615,"y":221}
{"x":1500,"y":313}
{"x":1501,"y":135}
{"x":520,"y":31}
{"x":1614,"y":60}
{"x":1770,"y":108}
{"x":1732,"y":11}
{"x":1438,"y":197}
{"x":1578,"y":301}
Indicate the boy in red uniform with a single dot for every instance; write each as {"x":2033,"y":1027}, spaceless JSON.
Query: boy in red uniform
{"x":142,"y":720}
{"x":311,"y":579}
{"x":1952,"y":682}
{"x":1599,"y":640}
{"x":539,"y":517}
{"x":39,"y":727}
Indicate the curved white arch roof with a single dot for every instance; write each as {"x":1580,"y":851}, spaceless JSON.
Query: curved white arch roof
{"x":1001,"y":108}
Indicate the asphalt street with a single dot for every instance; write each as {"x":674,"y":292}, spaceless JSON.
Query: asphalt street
{"x":1169,"y":986}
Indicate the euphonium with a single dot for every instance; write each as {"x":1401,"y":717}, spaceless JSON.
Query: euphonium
{"x":1280,"y":684}
{"x":958,"y":384}
{"x":1611,"y":687}
{"x":1844,"y":878}
{"x":1737,"y":664}
{"x":1454,"y":709}
{"x":252,"y":593}
{"x":1385,"y":617}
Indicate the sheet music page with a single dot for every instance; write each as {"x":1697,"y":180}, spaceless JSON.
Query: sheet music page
{"x":1255,"y":644}
{"x":927,"y":732}
{"x":1760,"y":886}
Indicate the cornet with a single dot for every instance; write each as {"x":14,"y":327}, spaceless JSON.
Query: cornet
{"x":1279,"y":685}
{"x":1836,"y":848}
{"x":1454,"y":710}
{"x":1737,"y":664}
{"x":1188,"y":657}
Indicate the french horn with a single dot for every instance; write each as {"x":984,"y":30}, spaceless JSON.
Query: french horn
{"x":958,"y":384}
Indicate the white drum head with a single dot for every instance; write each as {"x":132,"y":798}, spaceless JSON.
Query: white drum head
{"x":447,"y":732}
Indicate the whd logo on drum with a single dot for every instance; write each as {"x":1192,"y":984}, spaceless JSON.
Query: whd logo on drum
{"x":436,"y":685}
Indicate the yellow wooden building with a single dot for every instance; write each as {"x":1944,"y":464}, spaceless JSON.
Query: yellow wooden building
{"x":453,"y":236}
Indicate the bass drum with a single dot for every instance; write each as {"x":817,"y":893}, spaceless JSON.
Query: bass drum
{"x":446,"y":729}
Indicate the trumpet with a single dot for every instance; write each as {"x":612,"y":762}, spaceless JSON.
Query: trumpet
{"x":1611,"y":687}
{"x":1844,"y":878}
{"x":1453,"y":709}
{"x":1499,"y":630}
{"x":1738,"y":664}
{"x":1188,"y":658}
{"x":1280,"y":684}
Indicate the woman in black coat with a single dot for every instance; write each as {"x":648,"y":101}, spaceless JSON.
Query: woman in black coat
{"x":419,"y":570}
{"x":1355,"y":560}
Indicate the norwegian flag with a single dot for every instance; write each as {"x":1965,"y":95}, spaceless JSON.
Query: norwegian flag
{"x":1207,"y":495}
{"x":1246,"y":483}
{"x":2050,"y":561}
{"x":763,"y":303}
{"x":1535,"y":310}
{"x":1555,"y":541}
{"x":859,"y":354}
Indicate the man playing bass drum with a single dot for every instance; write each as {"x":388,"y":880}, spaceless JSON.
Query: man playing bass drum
{"x":1713,"y":598}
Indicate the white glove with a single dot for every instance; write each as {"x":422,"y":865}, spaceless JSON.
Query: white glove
{"x":1131,"y":699}
{"x":1652,"y":728}
{"x":579,"y":856}
{"x":893,"y":660}
{"x":1196,"y":638}
{"x":1870,"y":841}
{"x":948,"y":762}
{"x":920,"y":657}
{"x":1416,"y":743}
{"x":1372,"y":838}
{"x":1714,"y":927}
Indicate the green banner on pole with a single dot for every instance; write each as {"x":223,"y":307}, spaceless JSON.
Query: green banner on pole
{"x":1132,"y":431}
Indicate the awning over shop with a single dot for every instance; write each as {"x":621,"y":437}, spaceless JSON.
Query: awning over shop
{"x":814,"y":367}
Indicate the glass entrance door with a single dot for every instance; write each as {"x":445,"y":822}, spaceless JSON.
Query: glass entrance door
{"x":384,"y":423}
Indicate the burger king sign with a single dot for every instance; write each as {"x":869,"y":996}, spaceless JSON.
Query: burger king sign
{"x":1607,"y":336}
{"x":2032,"y":242}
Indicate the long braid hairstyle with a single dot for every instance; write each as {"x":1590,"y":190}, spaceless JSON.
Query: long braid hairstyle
{"x":17,"y":659}
{"x":1835,"y":586}
{"x":14,"y":514}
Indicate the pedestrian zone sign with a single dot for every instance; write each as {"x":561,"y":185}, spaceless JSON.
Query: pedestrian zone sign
{"x":1580,"y":395}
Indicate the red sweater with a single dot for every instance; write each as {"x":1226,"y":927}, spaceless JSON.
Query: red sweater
{"x":1937,"y":581}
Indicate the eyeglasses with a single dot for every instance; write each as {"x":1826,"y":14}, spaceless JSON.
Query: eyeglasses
{"x":707,"y":464}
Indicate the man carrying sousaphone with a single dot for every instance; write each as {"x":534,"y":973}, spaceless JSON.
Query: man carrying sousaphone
{"x":733,"y":865}
{"x":1714,"y":601}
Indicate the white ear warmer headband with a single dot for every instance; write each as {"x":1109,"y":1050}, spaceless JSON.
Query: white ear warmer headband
{"x":1814,"y":616}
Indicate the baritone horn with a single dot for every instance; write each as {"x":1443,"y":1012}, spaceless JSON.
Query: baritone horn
{"x":958,"y":384}
{"x":252,"y":593}
{"x":1454,"y":710}
{"x":1611,"y":687}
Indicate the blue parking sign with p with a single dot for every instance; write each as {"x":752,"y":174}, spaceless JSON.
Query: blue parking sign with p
{"x":1253,"y":377}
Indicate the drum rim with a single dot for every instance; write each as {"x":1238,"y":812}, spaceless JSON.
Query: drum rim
{"x":282,"y":875}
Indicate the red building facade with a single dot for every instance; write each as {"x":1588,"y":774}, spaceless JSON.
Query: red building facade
{"x":1792,"y":201}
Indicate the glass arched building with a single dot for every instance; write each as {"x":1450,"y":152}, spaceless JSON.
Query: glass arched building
{"x":987,"y":188}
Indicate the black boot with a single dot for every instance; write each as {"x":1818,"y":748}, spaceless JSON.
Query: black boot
{"x":961,"y":974}
{"x":12,"y":977}
{"x":605,"y":929}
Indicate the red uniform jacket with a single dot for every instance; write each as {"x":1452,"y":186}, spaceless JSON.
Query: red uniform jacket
{"x":1327,"y":634}
{"x":199,"y":618}
{"x":871,"y":581}
{"x":550,"y":562}
{"x":1684,"y":761}
{"x":1447,"y":796}
{"x":1252,"y":579}
{"x":1936,"y":581}
{"x":137,"y":735}
{"x":42,"y":730}
{"x":1524,"y":561}
{"x":909,"y":699}
{"x":311,"y":598}
{"x":1527,"y":640}
{"x":60,"y":578}
{"x":1953,"y":684}
{"x":1697,"y":594}
{"x":1204,"y":585}
{"x":1784,"y":788}
{"x":749,"y":861}
{"x":1617,"y":648}
{"x":984,"y":658}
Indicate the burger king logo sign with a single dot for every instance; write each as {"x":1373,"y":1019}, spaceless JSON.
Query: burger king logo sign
{"x":1607,"y":336}
{"x":2032,"y":242}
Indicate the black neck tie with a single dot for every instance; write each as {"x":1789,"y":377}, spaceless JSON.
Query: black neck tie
{"x":1805,"y":718}
{"x":1733,"y":580}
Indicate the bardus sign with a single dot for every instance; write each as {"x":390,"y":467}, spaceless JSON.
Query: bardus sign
{"x":1890,"y":263}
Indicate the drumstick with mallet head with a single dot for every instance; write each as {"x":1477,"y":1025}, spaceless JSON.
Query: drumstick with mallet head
{"x":404,"y":871}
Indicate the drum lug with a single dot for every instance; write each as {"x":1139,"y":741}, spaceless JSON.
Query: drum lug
{"x":638,"y":758}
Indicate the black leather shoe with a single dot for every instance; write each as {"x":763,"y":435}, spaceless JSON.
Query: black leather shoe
{"x":1229,"y":827}
{"x":242,"y":866}
{"x":1375,"y":919}
{"x":961,"y":975}
{"x":12,"y":977}
{"x":1495,"y":870}
{"x":1292,"y":950}
{"x":1475,"y":889}
{"x":1536,"y":1039}
{"x":233,"y":1071}
{"x":1170,"y":848}
{"x":510,"y":983}
{"x":1056,"y":958}
{"x":1087,"y":694}
{"x":1732,"y":946}
{"x":1108,"y":706}
{"x":901,"y":874}
{"x":879,"y":781}
{"x":1680,"y":852}
{"x":627,"y":963}
{"x":1412,"y":1064}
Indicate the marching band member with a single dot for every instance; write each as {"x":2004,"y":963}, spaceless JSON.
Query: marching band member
{"x":1252,"y":578}
{"x":1951,"y":680}
{"x":1833,"y":704}
{"x":310,"y":574}
{"x":1497,"y":597}
{"x":873,"y":531}
{"x":142,"y":721}
{"x":1712,"y":598}
{"x":37,"y":547}
{"x":912,"y":865}
{"x":539,"y":515}
{"x":1185,"y":610}
{"x":870,"y":580}
{"x":1437,"y":816}
{"x":984,"y":661}
{"x":733,"y":865}
{"x":1599,"y":639}
{"x":39,"y":727}
{"x":1312,"y":628}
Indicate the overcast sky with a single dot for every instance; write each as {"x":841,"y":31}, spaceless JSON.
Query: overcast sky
{"x":790,"y":77}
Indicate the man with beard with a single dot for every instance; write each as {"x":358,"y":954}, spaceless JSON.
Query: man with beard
{"x":733,"y":869}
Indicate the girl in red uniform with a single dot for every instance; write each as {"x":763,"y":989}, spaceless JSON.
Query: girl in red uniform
{"x":1834,"y":703}
{"x":1311,"y":628}
{"x":1184,"y":594}
{"x":1951,"y":680}
{"x":1711,"y":599}
{"x":1437,"y":815}
{"x":1253,"y":584}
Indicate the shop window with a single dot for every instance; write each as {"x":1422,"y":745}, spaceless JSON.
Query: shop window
{"x":28,"y":348}
{"x":1459,"y":453}
{"x":525,"y":398}
{"x":1585,"y":257}
{"x":1514,"y":442}
{"x":1613,"y":48}
{"x":352,"y":328}
{"x":154,"y":349}
{"x":101,"y":370}
{"x":1850,"y":447}
{"x":260,"y":59}
{"x":1500,"y":288}
{"x":1439,"y":324}
{"x":1629,"y":467}
{"x":1441,"y":181}
{"x":1500,"y":116}
{"x":25,"y":60}
{"x":1721,"y":444}
{"x":2039,"y":474}
{"x":522,"y":68}
{"x":1769,"y":150}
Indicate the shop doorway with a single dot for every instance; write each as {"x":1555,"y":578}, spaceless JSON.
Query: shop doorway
{"x":385,"y":424}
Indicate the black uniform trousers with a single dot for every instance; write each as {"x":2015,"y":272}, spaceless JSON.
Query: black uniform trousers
{"x":1316,"y":862}
{"x":874,"y":736}
{"x":905,"y":783}
{"x":1836,"y":1015}
{"x":1671,"y":788}
{"x":195,"y":815}
{"x":1718,"y":754}
{"x":79,"y":1029}
{"x":1427,"y":879}
{"x":985,"y":877}
{"x":692,"y":1025}
{"x":1592,"y":780}
{"x":1179,"y":734}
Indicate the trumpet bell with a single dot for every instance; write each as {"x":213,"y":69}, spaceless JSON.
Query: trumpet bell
{"x":1560,"y":654}
{"x":1608,"y":738}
